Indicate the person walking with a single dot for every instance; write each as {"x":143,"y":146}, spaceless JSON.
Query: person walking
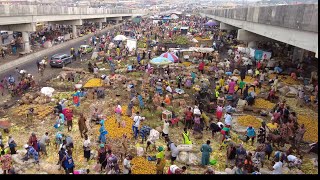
{"x":103,"y":133}
{"x":68,"y":162}
{"x":127,"y":165}
{"x":12,"y":145}
{"x":206,"y":150}
{"x":68,"y":113}
{"x":44,"y":141}
{"x":33,"y":141}
{"x":136,"y":123}
{"x":86,"y":147}
{"x":6,"y":162}
{"x":186,"y":136}
{"x":82,"y":125}
{"x":161,"y":161}
{"x":251,"y":134}
{"x":118,"y":112}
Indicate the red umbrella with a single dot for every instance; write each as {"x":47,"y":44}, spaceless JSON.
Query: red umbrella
{"x":171,"y":56}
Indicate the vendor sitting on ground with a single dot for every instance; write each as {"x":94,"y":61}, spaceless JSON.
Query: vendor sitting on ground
{"x":250,"y":98}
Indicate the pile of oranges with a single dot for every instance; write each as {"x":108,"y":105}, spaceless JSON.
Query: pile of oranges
{"x":142,"y":166}
{"x":113,"y":129}
{"x":261,"y":103}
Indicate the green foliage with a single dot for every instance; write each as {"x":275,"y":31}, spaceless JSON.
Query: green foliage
{"x":181,"y":40}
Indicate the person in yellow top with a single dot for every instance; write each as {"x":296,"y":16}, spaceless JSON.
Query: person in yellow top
{"x":5,"y":149}
{"x":257,"y":73}
{"x":118,"y":51}
{"x":205,"y":119}
{"x":216,"y":92}
{"x":221,"y":81}
{"x":161,"y":160}
{"x":273,"y":126}
{"x":186,"y":137}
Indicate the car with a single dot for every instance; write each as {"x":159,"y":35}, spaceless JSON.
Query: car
{"x":87,"y":48}
{"x":60,"y":60}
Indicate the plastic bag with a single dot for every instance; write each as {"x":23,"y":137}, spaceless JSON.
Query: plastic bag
{"x":140,"y":151}
{"x":183,"y":157}
{"x":213,"y":162}
{"x":193,"y":159}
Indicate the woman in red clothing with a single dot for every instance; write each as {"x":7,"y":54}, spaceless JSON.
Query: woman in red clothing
{"x":33,"y":141}
{"x":201,"y":67}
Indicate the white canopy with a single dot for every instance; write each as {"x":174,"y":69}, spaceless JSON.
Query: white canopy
{"x":203,"y":50}
{"x":120,"y":38}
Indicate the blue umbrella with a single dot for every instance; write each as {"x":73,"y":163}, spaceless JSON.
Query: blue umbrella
{"x":160,"y":61}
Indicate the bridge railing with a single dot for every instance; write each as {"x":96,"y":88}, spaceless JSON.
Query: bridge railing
{"x":25,"y":10}
{"x":301,"y":16}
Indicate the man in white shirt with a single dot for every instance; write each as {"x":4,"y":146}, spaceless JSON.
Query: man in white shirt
{"x":153,"y":137}
{"x":165,"y":131}
{"x":168,"y":88}
{"x":196,"y":111}
{"x":127,"y":165}
{"x":228,"y":119}
{"x":136,"y":123}
{"x":294,"y":161}
{"x":277,"y":168}
{"x":174,"y":169}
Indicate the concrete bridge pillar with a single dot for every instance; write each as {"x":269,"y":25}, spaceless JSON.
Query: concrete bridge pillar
{"x":25,"y":38}
{"x":100,"y":25}
{"x":247,"y":36}
{"x":252,"y":44}
{"x":298,"y":54}
{"x":74,"y":31}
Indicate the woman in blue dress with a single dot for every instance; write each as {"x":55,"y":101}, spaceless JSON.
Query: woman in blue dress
{"x":141,"y":103}
{"x":103,"y":133}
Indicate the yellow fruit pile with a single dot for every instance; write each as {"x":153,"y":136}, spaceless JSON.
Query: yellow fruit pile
{"x":113,"y":129}
{"x":41,"y":111}
{"x":95,"y":82}
{"x":249,"y":120}
{"x":307,"y":167}
{"x":311,"y":126}
{"x":247,"y":79}
{"x":261,"y":103}
{"x":142,"y":166}
{"x":285,"y":79}
{"x":187,"y":64}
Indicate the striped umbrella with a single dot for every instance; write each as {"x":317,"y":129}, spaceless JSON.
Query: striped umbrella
{"x":171,"y":56}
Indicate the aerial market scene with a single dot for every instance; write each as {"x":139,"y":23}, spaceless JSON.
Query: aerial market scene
{"x":158,"y":87}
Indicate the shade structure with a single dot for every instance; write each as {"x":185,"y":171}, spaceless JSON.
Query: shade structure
{"x":160,"y":61}
{"x":171,"y":56}
{"x":211,"y":23}
{"x":120,"y":38}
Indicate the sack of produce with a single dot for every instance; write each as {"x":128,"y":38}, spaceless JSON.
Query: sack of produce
{"x":140,"y":151}
{"x":193,"y":159}
{"x":183,"y":157}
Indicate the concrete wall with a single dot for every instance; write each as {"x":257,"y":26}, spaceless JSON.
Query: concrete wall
{"x":40,"y":10}
{"x":301,"y":17}
{"x":302,"y":39}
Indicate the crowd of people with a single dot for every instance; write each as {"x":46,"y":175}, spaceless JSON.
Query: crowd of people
{"x":221,"y":88}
